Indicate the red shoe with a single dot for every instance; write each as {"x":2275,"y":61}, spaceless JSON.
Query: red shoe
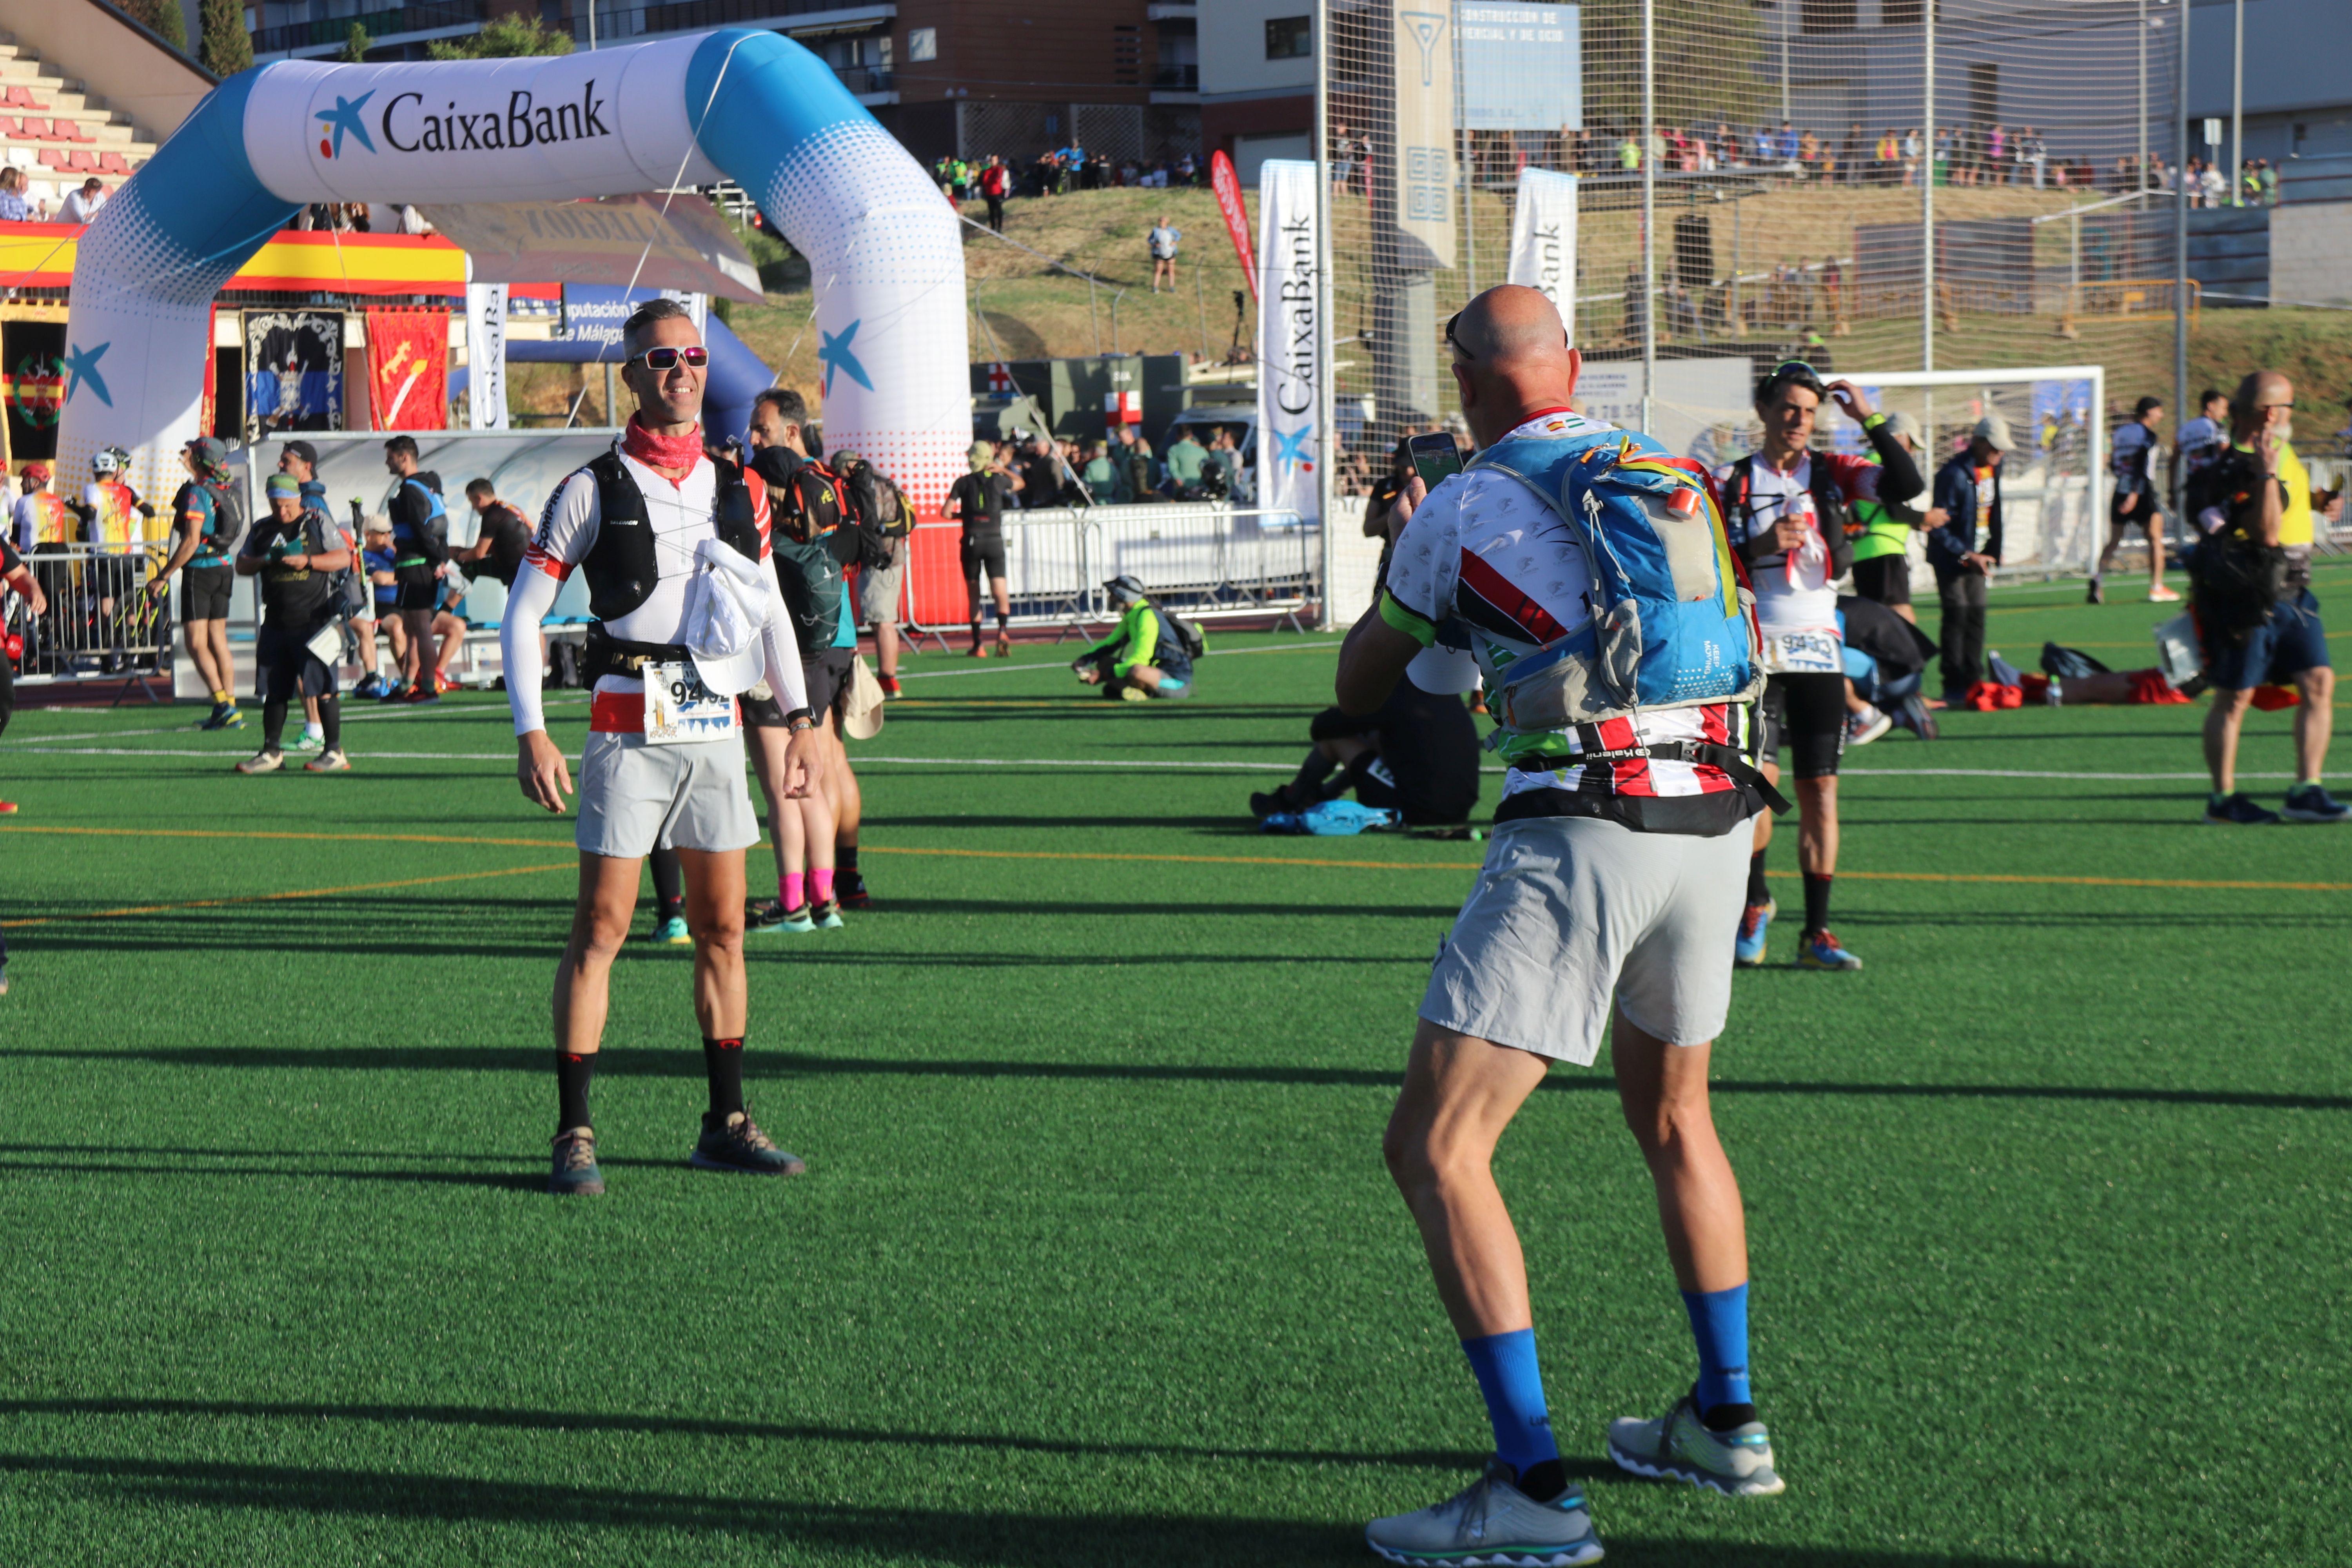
{"x":890,"y":686}
{"x":7,"y":808}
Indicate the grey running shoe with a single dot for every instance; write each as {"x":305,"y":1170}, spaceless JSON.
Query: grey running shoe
{"x":1738,"y":1463}
{"x":575,"y":1174}
{"x":738,"y":1144}
{"x":262,"y":761}
{"x":1491,"y":1522}
{"x":332,"y":762}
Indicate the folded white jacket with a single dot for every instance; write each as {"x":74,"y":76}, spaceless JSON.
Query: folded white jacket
{"x":728,"y":603}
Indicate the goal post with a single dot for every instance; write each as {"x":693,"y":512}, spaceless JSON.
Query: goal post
{"x":2053,"y":486}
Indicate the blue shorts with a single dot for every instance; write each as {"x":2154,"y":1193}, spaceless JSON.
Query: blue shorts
{"x":2275,"y":652}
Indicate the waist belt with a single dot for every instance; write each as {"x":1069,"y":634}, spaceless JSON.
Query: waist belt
{"x":1731,"y":760}
{"x":607,"y":655}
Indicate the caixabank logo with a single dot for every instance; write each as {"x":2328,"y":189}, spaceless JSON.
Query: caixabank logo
{"x":409,"y":125}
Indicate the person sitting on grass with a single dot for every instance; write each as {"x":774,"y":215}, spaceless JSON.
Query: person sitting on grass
{"x":1417,"y":755}
{"x":1143,"y":658}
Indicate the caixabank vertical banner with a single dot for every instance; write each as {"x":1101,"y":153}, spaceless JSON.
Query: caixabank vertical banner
{"x":1290,"y":309}
{"x":1543,"y":239}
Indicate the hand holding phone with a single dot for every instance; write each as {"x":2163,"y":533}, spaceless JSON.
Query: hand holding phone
{"x":1435,"y":456}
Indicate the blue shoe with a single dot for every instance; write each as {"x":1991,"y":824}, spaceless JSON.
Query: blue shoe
{"x":1821,"y":950}
{"x":224,"y":716}
{"x":2239,"y":811}
{"x":672,"y":932}
{"x":1754,"y":922}
{"x":2310,"y":803}
{"x":826,"y":916}
{"x":576,"y":1173}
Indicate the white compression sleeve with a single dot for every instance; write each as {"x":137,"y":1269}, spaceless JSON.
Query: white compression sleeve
{"x":528,"y":602}
{"x":782,"y":648}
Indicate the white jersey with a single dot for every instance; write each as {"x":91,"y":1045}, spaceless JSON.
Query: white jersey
{"x":1795,"y":607}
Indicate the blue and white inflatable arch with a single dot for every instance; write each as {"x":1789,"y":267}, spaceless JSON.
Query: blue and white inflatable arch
{"x":883,"y":246}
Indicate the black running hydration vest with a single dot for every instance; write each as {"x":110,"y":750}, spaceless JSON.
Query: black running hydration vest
{"x":620,"y":566}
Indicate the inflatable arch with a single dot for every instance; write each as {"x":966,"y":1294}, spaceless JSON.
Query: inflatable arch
{"x":883,"y":245}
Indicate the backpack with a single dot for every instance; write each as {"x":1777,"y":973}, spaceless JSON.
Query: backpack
{"x":1177,"y":629}
{"x":1674,"y":621}
{"x":2059,"y":663}
{"x":881,"y":505}
{"x":228,"y":515}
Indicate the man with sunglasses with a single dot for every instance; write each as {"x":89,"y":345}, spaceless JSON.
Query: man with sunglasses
{"x":1786,"y":510}
{"x":664,"y":763}
{"x":1605,"y":908}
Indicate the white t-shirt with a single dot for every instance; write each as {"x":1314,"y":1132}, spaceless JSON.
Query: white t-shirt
{"x":1795,"y":607}
{"x":79,"y":208}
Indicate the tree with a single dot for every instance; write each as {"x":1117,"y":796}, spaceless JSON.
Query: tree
{"x":226,"y":47}
{"x":504,"y":38}
{"x":161,"y":18}
{"x":356,"y":45}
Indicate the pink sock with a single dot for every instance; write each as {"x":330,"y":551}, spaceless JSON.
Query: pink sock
{"x":823,"y":877}
{"x":789,"y":890}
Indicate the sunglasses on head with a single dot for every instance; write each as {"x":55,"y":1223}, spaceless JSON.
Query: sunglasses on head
{"x":666,"y":358}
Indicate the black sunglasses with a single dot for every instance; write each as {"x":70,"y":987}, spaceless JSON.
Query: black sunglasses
{"x":666,"y":358}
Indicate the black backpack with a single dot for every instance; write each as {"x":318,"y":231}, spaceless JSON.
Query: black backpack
{"x":881,"y":505}
{"x":228,"y":516}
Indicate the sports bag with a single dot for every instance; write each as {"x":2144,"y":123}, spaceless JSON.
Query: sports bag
{"x":1176,"y":628}
{"x":1673,"y":622}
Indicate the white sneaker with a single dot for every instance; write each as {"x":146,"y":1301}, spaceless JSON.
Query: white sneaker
{"x":262,"y":761}
{"x":1679,"y":1446}
{"x":1492,"y":1523}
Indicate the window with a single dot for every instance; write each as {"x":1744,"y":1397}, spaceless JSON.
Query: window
{"x":1289,"y":38}
{"x":1826,"y":15}
{"x":1127,"y":54}
{"x":1984,"y":92}
{"x":922,"y":44}
{"x":1901,"y":13}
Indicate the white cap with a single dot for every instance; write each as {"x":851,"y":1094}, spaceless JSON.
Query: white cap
{"x":1993,"y":431}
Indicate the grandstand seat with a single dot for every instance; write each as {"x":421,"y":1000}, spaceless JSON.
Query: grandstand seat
{"x":36,"y":130}
{"x":55,"y":157}
{"x":19,"y":96}
{"x":11,"y":128}
{"x":69,"y":131}
{"x":110,"y":163}
{"x":81,"y":163}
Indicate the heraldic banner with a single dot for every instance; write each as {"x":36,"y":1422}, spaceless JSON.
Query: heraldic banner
{"x":408,"y":368}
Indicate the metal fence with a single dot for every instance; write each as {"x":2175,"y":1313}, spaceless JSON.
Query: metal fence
{"x":1214,"y":562}
{"x":101,"y":621}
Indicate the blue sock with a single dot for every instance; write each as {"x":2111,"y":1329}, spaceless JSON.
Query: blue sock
{"x":1718,"y":1320}
{"x":1508,"y":1377}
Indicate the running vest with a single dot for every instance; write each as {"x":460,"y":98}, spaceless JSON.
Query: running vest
{"x":1876,"y":531}
{"x":620,"y":566}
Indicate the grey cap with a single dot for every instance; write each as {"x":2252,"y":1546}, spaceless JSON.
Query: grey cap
{"x":1993,"y":431}
{"x":1905,"y":424}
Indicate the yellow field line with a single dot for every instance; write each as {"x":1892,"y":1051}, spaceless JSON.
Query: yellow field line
{"x":272,"y":898}
{"x":1968,"y":876}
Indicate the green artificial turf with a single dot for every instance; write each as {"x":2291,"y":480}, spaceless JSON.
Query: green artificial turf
{"x":1096,"y":1261}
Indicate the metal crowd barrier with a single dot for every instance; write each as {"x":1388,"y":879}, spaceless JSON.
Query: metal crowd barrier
{"x":1212,"y":562}
{"x":100,"y":624}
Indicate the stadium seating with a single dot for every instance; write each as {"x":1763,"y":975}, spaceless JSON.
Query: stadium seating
{"x":57,"y":134}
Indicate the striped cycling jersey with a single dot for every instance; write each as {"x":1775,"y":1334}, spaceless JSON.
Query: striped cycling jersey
{"x":1483,"y":553}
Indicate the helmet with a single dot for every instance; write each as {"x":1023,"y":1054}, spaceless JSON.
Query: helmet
{"x":1123,"y":589}
{"x":105,"y":462}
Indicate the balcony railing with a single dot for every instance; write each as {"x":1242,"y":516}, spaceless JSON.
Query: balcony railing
{"x":1177,"y":79}
{"x":691,"y":15}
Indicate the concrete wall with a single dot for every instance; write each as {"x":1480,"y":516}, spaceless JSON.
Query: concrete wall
{"x":2311,"y":253}
{"x":119,"y":61}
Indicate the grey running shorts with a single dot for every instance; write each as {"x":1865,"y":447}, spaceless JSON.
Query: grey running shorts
{"x":633,"y":796}
{"x":879,"y":590}
{"x":1570,"y":911}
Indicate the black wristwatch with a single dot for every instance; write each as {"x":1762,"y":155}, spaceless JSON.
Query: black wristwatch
{"x":799,"y":718}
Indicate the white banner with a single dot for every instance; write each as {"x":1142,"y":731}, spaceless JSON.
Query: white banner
{"x":486,"y":357}
{"x":1543,"y":239}
{"x":1290,"y":332}
{"x":1425,"y":196}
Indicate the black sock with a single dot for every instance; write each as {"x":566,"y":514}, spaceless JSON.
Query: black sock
{"x":273,"y":723}
{"x":330,"y":722}
{"x":571,"y":1076}
{"x":723,"y":1059}
{"x":1307,"y":787}
{"x":1723,"y":1419}
{"x":1758,"y":895}
{"x":1544,"y":1479}
{"x":1817,"y":904}
{"x":844,"y":858}
{"x":670,"y":884}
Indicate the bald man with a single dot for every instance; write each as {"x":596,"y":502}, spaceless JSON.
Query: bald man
{"x":2257,"y":493}
{"x":1607,"y":904}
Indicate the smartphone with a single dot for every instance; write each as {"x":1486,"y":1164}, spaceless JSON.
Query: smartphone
{"x":1435,"y":456}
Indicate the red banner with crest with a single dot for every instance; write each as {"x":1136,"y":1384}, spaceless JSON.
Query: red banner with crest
{"x":408,"y":368}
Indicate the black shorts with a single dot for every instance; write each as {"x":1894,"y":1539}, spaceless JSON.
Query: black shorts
{"x":2133,"y":508}
{"x":1883,"y":578}
{"x":988,"y":551}
{"x":288,"y":667}
{"x":1806,"y":712}
{"x":828,"y":675}
{"x":203,"y":592}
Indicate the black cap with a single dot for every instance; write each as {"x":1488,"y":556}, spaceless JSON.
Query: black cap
{"x":302,"y":450}
{"x":777,"y":465}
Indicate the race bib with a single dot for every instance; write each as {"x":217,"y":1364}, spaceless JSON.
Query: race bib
{"x":680,"y":707}
{"x":1803,"y":653}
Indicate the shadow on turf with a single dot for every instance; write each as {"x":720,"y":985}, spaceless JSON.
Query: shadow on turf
{"x":686,"y":1063}
{"x":981,"y":1540}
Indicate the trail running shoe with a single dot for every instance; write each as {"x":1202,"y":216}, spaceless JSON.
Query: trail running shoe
{"x":826,"y":916}
{"x":1914,"y":715}
{"x":762,"y":914}
{"x":2237,"y":811}
{"x":739,"y":1146}
{"x":1491,"y":1522}
{"x":671,"y":932}
{"x":890,"y":686}
{"x":369,"y":686}
{"x":1738,"y":1463}
{"x":1133,"y":694}
{"x":852,"y":888}
{"x":1003,"y":644}
{"x":796,"y":919}
{"x":418,"y":696}
{"x":2160,"y":595}
{"x":262,"y":761}
{"x":1747,"y":952}
{"x":224,"y":716}
{"x":1862,"y":728}
{"x":1821,"y":950}
{"x":2097,"y":595}
{"x":393,"y":693}
{"x":2310,"y":803}
{"x":306,"y":743}
{"x":332,"y":762}
{"x":575,"y":1174}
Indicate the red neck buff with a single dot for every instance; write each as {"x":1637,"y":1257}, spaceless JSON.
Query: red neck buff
{"x":672,"y":456}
